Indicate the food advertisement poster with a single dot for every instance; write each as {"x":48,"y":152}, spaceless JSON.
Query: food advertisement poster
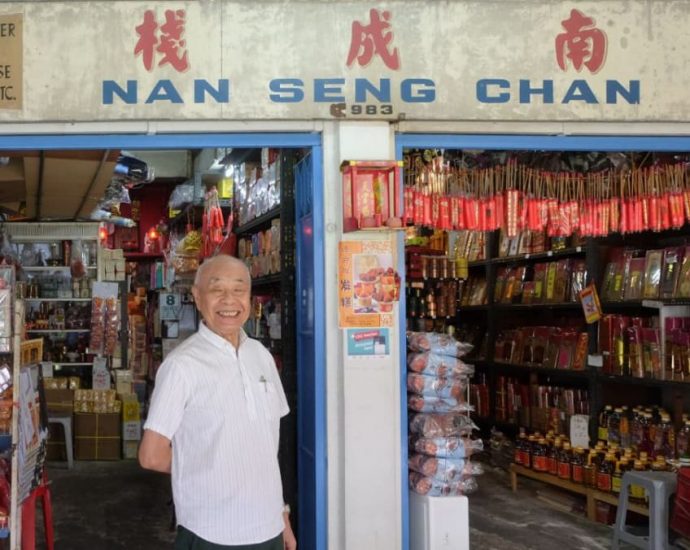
{"x":369,"y":287}
{"x":362,"y":342}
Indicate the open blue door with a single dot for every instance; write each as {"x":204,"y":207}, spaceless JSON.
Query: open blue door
{"x":311,"y":365}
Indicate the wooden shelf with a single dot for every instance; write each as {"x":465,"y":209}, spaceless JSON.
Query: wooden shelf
{"x":561,"y":305}
{"x":132,"y":256}
{"x":591,"y":494}
{"x":55,"y":331}
{"x":266,"y":280}
{"x":560,"y":373}
{"x":53,"y":267}
{"x":260,"y":222}
{"x":76,"y":364}
{"x":548,"y":255}
{"x":57,"y":299}
{"x":634,"y":381}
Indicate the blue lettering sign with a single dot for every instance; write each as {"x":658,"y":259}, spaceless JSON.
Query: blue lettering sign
{"x":483,"y":90}
{"x":164,"y":90}
{"x":287,"y":90}
{"x":112,"y":89}
{"x":526,"y":91}
{"x":615,"y":88}
{"x":382,"y":93}
{"x":221,"y":94}
{"x":417,"y":90}
{"x":580,"y":91}
{"x":325,"y":87}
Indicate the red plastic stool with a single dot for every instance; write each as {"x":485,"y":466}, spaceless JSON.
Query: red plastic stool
{"x":29,"y":516}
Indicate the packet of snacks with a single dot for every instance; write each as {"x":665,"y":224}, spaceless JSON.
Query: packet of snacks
{"x":440,"y":344}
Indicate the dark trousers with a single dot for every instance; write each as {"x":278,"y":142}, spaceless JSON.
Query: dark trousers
{"x":186,"y":540}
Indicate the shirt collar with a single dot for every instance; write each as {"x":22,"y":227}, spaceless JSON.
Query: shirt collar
{"x":216,"y":340}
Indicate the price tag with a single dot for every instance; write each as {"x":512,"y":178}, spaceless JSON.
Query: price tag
{"x":170,"y":306}
{"x":579,"y":430}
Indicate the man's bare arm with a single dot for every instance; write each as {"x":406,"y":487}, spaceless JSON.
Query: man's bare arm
{"x":155,"y":452}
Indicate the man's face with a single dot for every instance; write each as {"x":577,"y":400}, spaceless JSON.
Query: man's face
{"x":222,"y":296}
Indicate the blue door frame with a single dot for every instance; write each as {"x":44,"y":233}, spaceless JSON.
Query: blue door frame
{"x":500,"y":142}
{"x":311,"y":425}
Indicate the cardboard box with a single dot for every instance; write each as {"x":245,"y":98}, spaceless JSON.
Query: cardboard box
{"x":97,"y":448}
{"x":130,"y":449}
{"x":97,"y":425}
{"x":97,"y":436}
{"x":60,"y":400}
{"x":131,"y":430}
{"x":55,"y":447}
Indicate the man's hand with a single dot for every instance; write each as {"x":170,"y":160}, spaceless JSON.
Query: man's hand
{"x":289,"y":540}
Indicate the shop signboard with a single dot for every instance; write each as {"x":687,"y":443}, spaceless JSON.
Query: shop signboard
{"x":11,"y":61}
{"x":367,"y":287}
{"x":612,"y":60}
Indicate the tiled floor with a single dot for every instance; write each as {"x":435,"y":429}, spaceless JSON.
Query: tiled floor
{"x":117,"y":505}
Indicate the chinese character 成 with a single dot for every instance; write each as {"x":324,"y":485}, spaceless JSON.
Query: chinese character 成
{"x":373,"y":39}
{"x":582,"y":43}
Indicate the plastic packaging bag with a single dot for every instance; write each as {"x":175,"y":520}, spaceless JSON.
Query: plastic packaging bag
{"x":424,"y":403}
{"x":444,"y":469}
{"x":448,"y":447}
{"x":433,"y":364}
{"x":436,"y":386}
{"x":441,"y":425}
{"x":440,"y":344}
{"x":429,"y":486}
{"x":77,"y":262}
{"x":181,"y":195}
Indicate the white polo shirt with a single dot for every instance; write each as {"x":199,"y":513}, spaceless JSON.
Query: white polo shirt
{"x":221,"y":408}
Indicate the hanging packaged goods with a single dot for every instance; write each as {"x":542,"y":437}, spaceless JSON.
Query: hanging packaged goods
{"x":615,"y":195}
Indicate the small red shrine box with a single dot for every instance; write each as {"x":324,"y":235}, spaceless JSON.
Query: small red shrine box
{"x":371,"y":194}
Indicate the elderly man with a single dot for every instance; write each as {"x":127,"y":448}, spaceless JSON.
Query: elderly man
{"x":214,"y":424}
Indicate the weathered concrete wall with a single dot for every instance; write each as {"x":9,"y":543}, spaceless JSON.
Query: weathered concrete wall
{"x":470,"y":56}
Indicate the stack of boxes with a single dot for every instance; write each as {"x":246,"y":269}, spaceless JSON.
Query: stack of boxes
{"x":97,"y":425}
{"x":112,"y":265}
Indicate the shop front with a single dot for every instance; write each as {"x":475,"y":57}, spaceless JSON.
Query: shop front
{"x":471,"y":83}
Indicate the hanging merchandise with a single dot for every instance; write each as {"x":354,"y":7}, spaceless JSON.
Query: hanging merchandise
{"x":509,"y":194}
{"x":212,"y":224}
{"x":105,"y":319}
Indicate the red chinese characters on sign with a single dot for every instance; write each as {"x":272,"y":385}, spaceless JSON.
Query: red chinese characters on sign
{"x":168,"y":42}
{"x":373,"y":39}
{"x":582,"y":43}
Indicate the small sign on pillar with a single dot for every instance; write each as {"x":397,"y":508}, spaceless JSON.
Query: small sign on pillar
{"x":371,"y":194}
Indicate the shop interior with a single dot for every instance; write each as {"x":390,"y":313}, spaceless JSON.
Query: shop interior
{"x":548,"y":295}
{"x":102,"y":246}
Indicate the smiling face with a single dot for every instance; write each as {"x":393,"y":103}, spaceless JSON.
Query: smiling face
{"x":222,"y":295}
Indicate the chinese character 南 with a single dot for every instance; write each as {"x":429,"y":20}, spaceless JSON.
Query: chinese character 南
{"x":169,"y":43}
{"x":373,"y":39}
{"x":582,"y":43}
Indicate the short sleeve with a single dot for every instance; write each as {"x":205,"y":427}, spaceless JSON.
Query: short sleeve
{"x":168,"y":400}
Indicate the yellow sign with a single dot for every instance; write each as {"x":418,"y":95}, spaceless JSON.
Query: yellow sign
{"x":368,"y":285}
{"x":11,"y":61}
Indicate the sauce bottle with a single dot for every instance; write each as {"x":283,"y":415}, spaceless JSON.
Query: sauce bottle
{"x":605,"y":473}
{"x":614,"y":426}
{"x":552,"y":457}
{"x":564,"y":462}
{"x":617,"y":476}
{"x":529,"y":449}
{"x":625,"y":436}
{"x":602,"y":433}
{"x":590,"y":470}
{"x":637,"y":492}
{"x":539,"y":456}
{"x":577,"y":463}
{"x":519,"y":445}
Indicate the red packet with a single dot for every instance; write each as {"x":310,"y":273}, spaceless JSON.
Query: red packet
{"x":511,"y":202}
{"x":426,"y":219}
{"x":665,"y":211}
{"x":418,"y":208}
{"x":472,"y":214}
{"x":499,"y":212}
{"x":590,"y":304}
{"x":574,"y":214}
{"x":533,"y":218}
{"x":654,"y":213}
{"x":408,"y":197}
{"x":444,"y":214}
{"x":676,"y":204}
{"x":491,"y":222}
{"x":435,"y":212}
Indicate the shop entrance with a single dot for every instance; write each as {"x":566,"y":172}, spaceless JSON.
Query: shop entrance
{"x":303,"y":432}
{"x":525,"y":325}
